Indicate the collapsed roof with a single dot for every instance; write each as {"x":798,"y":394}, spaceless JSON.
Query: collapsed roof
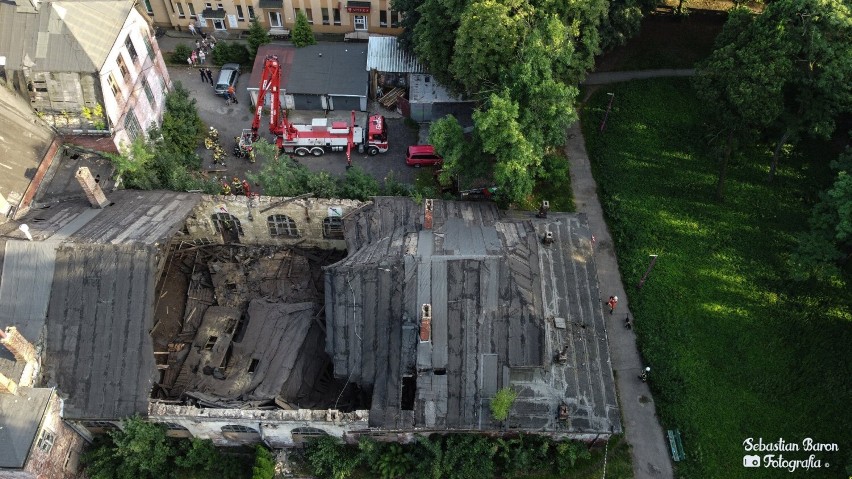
{"x":501,"y":306}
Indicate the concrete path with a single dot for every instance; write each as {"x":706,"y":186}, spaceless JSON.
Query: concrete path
{"x":603,"y":78}
{"x":650,"y":450}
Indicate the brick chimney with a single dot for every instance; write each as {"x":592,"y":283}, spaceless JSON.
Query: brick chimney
{"x":91,"y":188}
{"x":427,"y":215}
{"x":426,"y":323}
{"x":18,"y":345}
{"x":7,"y":386}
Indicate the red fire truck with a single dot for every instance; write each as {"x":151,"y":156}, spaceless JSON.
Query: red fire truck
{"x":319,"y":137}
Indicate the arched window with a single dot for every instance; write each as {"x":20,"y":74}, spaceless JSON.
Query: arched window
{"x":226,"y":222}
{"x":332,"y":227}
{"x":302,"y":435}
{"x":282,"y":225}
{"x":239,"y":429}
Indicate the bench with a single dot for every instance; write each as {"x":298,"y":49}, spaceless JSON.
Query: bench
{"x":676,"y":445}
{"x":358,"y":36}
{"x":279,"y":33}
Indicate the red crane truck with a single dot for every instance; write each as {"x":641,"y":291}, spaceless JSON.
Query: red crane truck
{"x":319,"y":137}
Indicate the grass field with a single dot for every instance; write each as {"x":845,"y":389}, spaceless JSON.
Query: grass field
{"x":737,"y":350}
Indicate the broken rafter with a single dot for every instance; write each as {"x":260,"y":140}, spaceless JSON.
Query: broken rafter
{"x":288,"y":200}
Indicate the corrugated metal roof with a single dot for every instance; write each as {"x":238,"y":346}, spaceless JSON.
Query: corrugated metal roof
{"x":67,"y":36}
{"x":425,"y":89}
{"x":384,"y":55}
{"x":20,"y":416}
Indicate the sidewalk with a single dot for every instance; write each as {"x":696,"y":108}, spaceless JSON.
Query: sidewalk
{"x":643,"y":432}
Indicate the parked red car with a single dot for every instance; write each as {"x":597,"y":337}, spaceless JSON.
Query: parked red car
{"x":422,"y":155}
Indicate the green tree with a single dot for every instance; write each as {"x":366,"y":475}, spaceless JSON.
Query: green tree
{"x":182,"y":126}
{"x":134,"y":164}
{"x":468,"y":456}
{"x":815,"y":35}
{"x":502,"y":402}
{"x":486,"y":42}
{"x":566,"y":455}
{"x":280,"y":175}
{"x":257,"y":36}
{"x":741,"y":84}
{"x":827,"y":246}
{"x":516,"y":159}
{"x":435,"y":39}
{"x":410,"y":18}
{"x":264,"y":463}
{"x":140,"y":450}
{"x":328,"y":457}
{"x":358,"y":185}
{"x":302,"y":34}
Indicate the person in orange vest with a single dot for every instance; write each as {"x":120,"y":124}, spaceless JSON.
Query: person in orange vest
{"x":613,"y":301}
{"x":232,"y":94}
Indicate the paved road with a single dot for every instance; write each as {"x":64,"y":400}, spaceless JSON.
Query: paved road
{"x":642,"y":428}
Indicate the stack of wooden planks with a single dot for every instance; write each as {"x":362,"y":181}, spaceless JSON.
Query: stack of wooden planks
{"x":389,"y":99}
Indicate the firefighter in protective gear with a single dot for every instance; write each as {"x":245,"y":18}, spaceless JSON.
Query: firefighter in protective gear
{"x":226,"y":189}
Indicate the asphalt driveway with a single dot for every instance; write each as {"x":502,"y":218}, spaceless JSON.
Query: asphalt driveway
{"x":230,"y":120}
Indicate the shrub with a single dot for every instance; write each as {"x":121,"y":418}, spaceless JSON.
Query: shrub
{"x":257,"y":36}
{"x":501,"y":403}
{"x":358,"y":185}
{"x":264,"y":464}
{"x":181,"y":53}
{"x":229,"y":52}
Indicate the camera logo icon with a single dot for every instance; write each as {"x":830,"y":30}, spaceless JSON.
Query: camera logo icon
{"x":751,"y":460}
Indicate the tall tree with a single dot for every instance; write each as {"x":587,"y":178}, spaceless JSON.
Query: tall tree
{"x":817,"y":36}
{"x":410,"y":10}
{"x":741,"y":85}
{"x":486,"y":42}
{"x":435,"y":39}
{"x":257,"y":36}
{"x":302,"y":34}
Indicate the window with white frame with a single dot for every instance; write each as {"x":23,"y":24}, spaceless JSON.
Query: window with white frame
{"x":219,"y":6}
{"x":310,"y":14}
{"x":337,"y":16}
{"x":325,"y":16}
{"x":274,"y":19}
{"x":240,"y":13}
{"x":360,"y":22}
{"x":148,"y":7}
{"x":191,"y":9}
{"x":122,"y":66}
{"x":180,"y":10}
{"x":383,"y":18}
{"x":116,"y":90}
{"x":251,"y":12}
{"x":131,"y":124}
{"x":45,"y":440}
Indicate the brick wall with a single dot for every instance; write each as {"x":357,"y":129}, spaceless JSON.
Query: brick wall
{"x":306,"y":216}
{"x":62,"y":459}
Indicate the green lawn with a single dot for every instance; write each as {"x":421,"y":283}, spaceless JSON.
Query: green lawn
{"x":737,"y":350}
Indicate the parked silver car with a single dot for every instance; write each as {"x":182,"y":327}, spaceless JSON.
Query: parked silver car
{"x":228,"y":76}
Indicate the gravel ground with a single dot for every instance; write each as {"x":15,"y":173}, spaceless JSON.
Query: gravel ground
{"x":230,"y":120}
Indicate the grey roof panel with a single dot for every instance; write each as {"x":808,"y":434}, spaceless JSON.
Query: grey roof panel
{"x":23,"y":144}
{"x":99,"y":351}
{"x":385,"y":55}
{"x":64,"y":36}
{"x":20,"y":417}
{"x":329,"y":69}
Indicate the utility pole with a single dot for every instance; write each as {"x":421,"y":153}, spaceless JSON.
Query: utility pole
{"x":608,"y":109}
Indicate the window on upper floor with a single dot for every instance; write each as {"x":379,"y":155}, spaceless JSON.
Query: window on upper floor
{"x":116,"y":90}
{"x":180,"y":10}
{"x":148,"y":46}
{"x":128,"y":43}
{"x":122,"y":67}
{"x":309,"y":12}
{"x":238,"y":428}
{"x":240,"y":16}
{"x":45,"y":440}
{"x":149,"y":93}
{"x":337,"y":16}
{"x":251,"y":12}
{"x":325,"y":16}
{"x":191,"y":9}
{"x":148,"y":7}
{"x":383,"y":18}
